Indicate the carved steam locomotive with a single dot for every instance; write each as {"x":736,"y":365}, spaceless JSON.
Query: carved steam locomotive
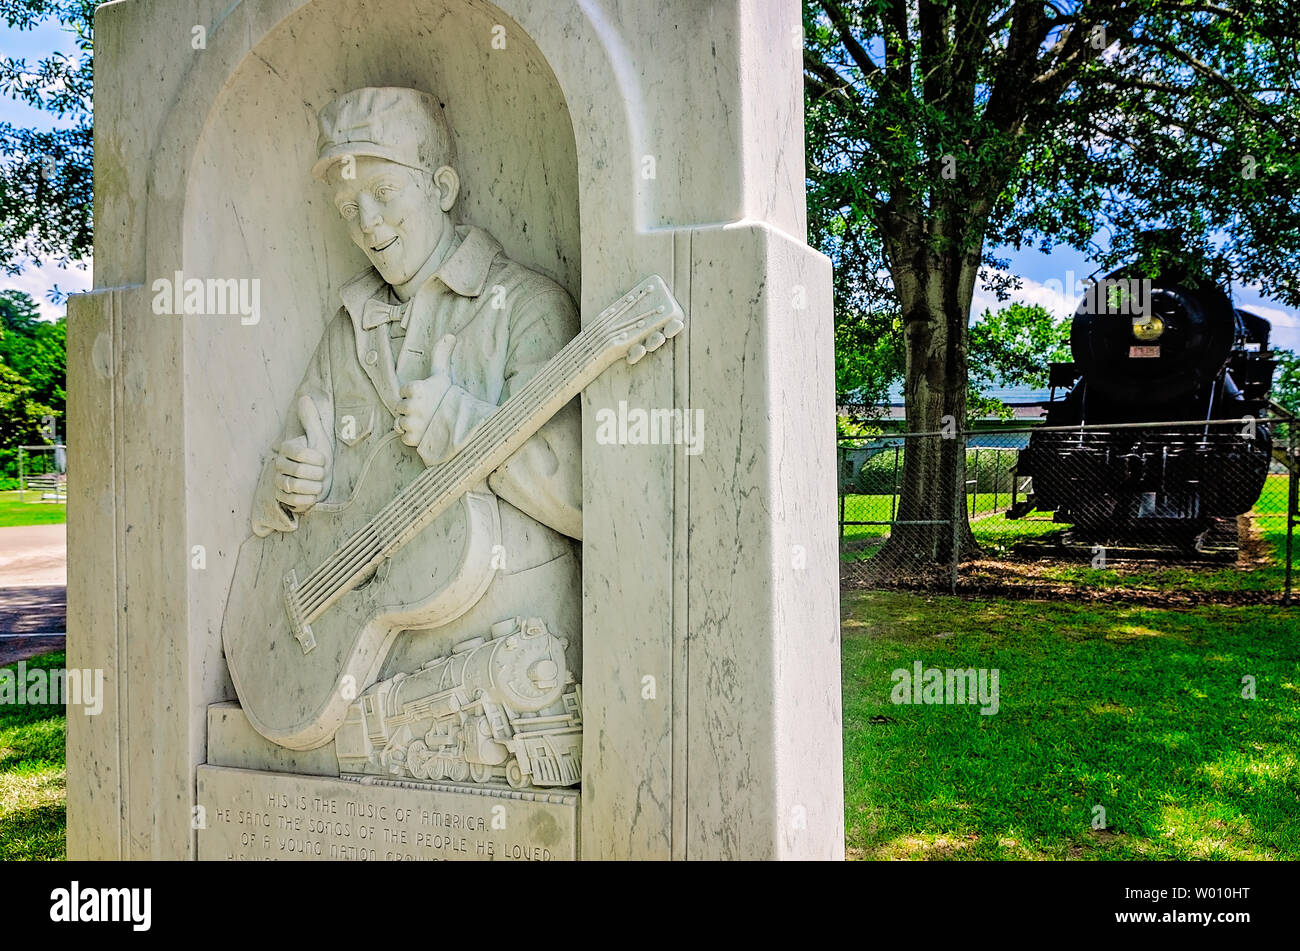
{"x":501,"y":707}
{"x":1158,"y":352}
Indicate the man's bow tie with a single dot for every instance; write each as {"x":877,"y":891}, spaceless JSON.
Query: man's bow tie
{"x":375,"y":313}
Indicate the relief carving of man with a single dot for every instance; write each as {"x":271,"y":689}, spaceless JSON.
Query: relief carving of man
{"x":429,"y":341}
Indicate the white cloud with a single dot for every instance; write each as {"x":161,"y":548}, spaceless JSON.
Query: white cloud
{"x":1051,"y":295}
{"x":1285,"y":320}
{"x":1274,"y":315}
{"x":1286,"y":326}
{"x":37,"y":280}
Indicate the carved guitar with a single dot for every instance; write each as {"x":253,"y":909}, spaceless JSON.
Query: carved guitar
{"x":310,"y":620}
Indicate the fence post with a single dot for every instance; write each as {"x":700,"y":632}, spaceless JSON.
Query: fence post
{"x":1292,"y":501}
{"x":893,"y":488}
{"x":842,"y":483}
{"x":997,"y":477}
{"x":957,"y":515}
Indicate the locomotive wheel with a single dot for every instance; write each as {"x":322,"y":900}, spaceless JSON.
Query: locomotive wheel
{"x":458,"y":770}
{"x":480,"y":772}
{"x":515,"y":775}
{"x":417,"y":760}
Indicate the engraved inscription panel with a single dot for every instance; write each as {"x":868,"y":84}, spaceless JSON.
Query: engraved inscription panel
{"x":250,"y":815}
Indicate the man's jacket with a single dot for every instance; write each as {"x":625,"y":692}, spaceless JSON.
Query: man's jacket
{"x":507,"y":321}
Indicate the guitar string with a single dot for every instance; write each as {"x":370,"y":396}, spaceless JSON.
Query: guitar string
{"x":369,"y":536}
{"x":408,"y":507}
{"x":406,"y":510}
{"x":368,"y":542}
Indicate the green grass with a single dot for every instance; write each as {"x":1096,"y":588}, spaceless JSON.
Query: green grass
{"x":14,"y":512}
{"x":32,"y":776}
{"x":1273,"y":499}
{"x":1135,"y":709}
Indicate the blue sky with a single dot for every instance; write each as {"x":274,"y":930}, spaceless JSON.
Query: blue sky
{"x":1048,"y":278}
{"x":34,"y":45}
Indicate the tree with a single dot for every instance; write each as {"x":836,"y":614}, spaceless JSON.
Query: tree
{"x":1286,"y":380}
{"x":868,"y":325}
{"x":1286,"y":388}
{"x":1012,"y":346}
{"x":34,"y":348}
{"x":867,"y":357}
{"x":33,"y":371}
{"x":45,"y":175}
{"x":938,"y":129}
{"x":14,"y":404}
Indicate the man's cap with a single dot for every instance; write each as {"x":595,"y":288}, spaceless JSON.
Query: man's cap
{"x":402,"y":125}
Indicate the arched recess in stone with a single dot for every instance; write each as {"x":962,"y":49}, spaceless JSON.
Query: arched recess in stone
{"x":231,"y":194}
{"x":576,"y":55}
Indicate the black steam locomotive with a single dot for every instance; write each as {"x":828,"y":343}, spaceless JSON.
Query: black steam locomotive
{"x":1174,"y":355}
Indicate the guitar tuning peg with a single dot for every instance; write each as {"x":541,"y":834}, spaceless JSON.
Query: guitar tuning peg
{"x":655,"y":341}
{"x":673,"y":328}
{"x":635,"y":354}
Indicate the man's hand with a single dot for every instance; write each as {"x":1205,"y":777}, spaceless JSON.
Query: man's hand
{"x":420,"y":398}
{"x":302,"y":464}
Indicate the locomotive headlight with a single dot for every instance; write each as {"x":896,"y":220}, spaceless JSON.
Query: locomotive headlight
{"x":1149,"y":328}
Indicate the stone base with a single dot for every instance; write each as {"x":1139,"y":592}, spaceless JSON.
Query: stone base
{"x":255,"y":815}
{"x":232,"y":741}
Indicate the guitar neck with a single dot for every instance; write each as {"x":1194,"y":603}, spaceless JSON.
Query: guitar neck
{"x":491,"y":443}
{"x":499,"y":436}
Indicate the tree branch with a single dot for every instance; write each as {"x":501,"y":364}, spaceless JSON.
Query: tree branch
{"x":835,"y":12}
{"x":831,"y":83}
{"x":1245,"y":101}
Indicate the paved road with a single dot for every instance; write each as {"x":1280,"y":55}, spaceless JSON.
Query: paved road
{"x":14,"y":649}
{"x":33,"y":555}
{"x":33,"y":590}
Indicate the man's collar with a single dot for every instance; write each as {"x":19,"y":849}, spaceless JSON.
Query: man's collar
{"x":360,"y":289}
{"x":465,"y":271}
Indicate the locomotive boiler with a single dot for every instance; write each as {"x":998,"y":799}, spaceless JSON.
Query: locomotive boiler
{"x":1158,"y":364}
{"x":498,"y":707}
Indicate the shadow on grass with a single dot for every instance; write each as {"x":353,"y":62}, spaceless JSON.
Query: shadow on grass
{"x":1122,"y":732}
{"x":32,"y":778}
{"x":1036,"y":557}
{"x":34,"y":834}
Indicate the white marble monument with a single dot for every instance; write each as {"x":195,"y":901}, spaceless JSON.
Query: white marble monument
{"x":451,"y":427}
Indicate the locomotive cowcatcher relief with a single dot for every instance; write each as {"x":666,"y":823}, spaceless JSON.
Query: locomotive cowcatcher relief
{"x":428,"y":478}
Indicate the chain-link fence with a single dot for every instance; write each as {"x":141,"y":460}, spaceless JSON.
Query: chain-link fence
{"x":1153,"y":511}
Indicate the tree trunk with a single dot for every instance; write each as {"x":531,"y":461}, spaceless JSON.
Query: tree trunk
{"x":935,"y":288}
